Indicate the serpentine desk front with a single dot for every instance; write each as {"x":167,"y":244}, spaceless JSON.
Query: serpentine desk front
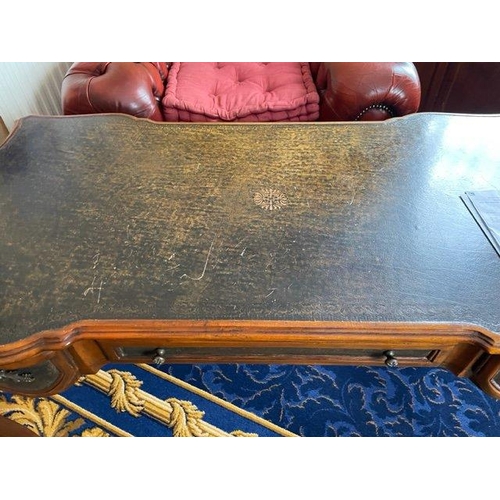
{"x":125,"y":240}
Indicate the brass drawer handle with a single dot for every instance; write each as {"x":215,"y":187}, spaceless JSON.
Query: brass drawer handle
{"x":390,"y":359}
{"x":159,"y":357}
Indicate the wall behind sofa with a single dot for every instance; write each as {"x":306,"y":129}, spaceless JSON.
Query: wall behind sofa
{"x":30,"y":88}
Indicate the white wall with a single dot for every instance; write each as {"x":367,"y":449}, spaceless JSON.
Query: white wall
{"x":30,"y":88}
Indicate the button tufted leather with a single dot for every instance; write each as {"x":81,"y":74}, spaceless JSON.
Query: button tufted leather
{"x":133,"y":88}
{"x":243,"y":91}
{"x":367,"y":91}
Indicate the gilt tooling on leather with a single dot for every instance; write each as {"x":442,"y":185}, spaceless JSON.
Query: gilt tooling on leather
{"x":245,"y":91}
{"x":108,"y":217}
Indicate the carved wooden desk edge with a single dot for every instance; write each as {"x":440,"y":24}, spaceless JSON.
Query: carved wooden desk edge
{"x":85,"y":346}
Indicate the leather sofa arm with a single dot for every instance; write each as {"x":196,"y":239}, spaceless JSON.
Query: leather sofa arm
{"x":114,"y":87}
{"x":366,"y":91}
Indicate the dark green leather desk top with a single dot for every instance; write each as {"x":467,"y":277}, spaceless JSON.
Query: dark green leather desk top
{"x":110,"y":217}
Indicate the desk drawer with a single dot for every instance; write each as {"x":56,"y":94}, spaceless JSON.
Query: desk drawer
{"x":278,"y":355}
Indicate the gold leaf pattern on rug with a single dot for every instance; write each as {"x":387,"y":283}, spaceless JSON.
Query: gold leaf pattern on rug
{"x":94,"y":432}
{"x":55,"y":416}
{"x":40,"y":415}
{"x":185,"y":419}
{"x":124,"y":393}
{"x":243,"y":434}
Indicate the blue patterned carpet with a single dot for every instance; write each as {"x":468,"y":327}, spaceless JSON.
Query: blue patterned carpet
{"x":261,"y":400}
{"x":347,"y":401}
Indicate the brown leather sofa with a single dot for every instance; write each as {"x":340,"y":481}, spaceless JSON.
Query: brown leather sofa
{"x":327,"y":91}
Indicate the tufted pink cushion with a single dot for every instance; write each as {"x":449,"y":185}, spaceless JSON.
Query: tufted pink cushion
{"x":240,"y":92}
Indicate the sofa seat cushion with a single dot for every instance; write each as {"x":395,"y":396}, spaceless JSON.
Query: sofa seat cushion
{"x":240,"y":92}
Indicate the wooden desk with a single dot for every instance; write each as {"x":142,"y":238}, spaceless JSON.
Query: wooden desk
{"x":128,"y":241}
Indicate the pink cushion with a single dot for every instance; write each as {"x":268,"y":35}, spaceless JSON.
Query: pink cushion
{"x":240,"y":92}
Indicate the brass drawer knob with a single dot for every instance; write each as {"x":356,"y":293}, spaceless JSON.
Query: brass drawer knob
{"x":159,"y":357}
{"x":390,"y":359}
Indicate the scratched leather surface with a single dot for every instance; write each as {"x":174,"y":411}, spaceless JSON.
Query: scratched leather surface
{"x":110,"y":217}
